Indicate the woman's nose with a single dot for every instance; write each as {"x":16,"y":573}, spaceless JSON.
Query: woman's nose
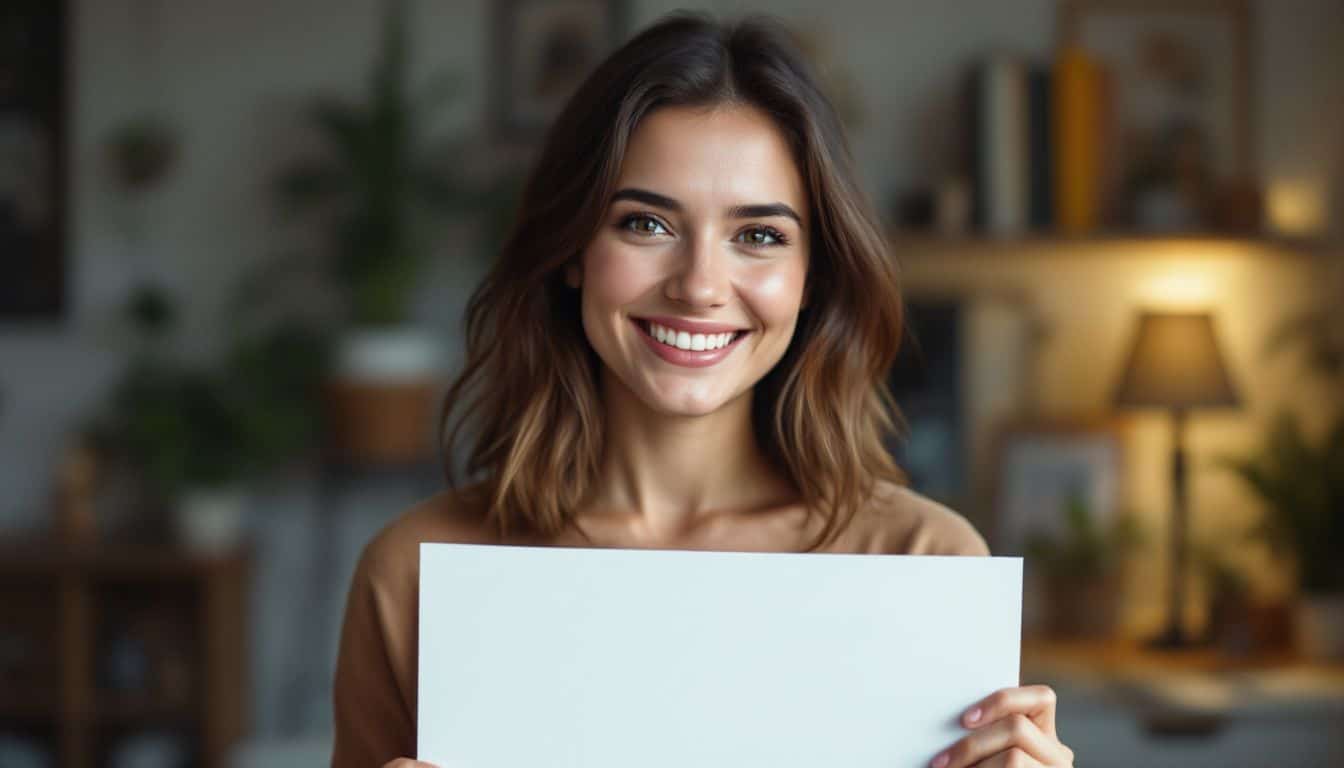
{"x":702,"y":278}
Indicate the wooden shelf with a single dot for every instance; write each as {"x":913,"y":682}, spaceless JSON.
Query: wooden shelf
{"x":181,"y":610}
{"x":1187,"y":245}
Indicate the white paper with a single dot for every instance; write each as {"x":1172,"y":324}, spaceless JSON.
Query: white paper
{"x":611,"y":658}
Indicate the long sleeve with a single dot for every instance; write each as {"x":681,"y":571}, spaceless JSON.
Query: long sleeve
{"x":375,"y":687}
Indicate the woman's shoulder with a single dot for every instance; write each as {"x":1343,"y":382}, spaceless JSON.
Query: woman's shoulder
{"x":393,"y":554}
{"x":901,"y":521}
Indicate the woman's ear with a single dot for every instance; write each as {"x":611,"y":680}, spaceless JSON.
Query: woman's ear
{"x":573,"y":274}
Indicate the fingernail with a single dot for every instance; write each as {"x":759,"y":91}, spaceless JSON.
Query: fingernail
{"x":940,"y":761}
{"x":973,"y":716}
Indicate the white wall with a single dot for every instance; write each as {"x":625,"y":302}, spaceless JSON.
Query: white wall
{"x":232,"y":76}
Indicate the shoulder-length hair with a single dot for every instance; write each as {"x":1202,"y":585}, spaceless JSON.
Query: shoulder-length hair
{"x":528,"y":395}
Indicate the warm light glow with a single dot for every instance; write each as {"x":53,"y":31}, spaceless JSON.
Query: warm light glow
{"x":1184,"y":289}
{"x":1296,"y":207}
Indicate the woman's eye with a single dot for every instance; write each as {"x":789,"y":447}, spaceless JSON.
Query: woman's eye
{"x":762,"y":236}
{"x":646,"y":226}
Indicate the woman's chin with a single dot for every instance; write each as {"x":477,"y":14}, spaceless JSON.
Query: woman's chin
{"x":684,"y":403}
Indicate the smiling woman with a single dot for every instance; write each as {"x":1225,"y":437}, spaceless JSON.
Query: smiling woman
{"x":683,"y":344}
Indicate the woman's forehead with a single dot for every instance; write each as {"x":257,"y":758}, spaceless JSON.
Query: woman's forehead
{"x":724,"y":155}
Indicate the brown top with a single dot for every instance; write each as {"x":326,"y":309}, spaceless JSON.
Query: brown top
{"x":375,"y":691}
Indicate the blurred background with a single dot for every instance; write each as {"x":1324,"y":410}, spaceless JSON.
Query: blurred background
{"x":237,"y":238}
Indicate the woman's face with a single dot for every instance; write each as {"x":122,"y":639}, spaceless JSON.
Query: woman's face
{"x":692,"y":286}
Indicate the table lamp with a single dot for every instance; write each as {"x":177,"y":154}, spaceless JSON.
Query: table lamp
{"x":1174,"y":363}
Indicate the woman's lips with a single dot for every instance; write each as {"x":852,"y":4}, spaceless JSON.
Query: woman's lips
{"x":688,"y":358}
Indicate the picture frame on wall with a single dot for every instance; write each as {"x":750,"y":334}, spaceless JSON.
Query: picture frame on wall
{"x":32,"y":160}
{"x":1179,"y":130}
{"x":1042,"y":466}
{"x":543,"y":49}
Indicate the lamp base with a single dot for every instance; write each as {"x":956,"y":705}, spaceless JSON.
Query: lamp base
{"x":1173,"y":639}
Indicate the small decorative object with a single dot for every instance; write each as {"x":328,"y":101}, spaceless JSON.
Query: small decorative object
{"x":33,"y":139}
{"x":141,"y":153}
{"x":211,"y":520}
{"x":542,"y":51}
{"x":1175,"y":363}
{"x":1182,"y":134}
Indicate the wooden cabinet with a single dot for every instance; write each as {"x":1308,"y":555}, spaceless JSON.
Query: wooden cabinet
{"x":113,"y":649}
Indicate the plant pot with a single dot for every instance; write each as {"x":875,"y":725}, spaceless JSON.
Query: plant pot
{"x":383,"y":403}
{"x":1320,"y":627}
{"x":210,"y":519}
{"x":393,"y":355}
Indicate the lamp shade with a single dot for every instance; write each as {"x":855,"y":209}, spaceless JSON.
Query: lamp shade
{"x":1175,"y":362}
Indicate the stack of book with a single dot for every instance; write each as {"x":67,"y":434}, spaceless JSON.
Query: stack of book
{"x":1036,"y":145}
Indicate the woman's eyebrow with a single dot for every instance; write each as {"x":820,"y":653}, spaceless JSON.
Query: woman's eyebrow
{"x":762,"y":210}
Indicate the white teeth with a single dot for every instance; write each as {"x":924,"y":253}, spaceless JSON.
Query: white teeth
{"x":685,"y":340}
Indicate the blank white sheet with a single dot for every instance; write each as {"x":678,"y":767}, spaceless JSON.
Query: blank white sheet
{"x":539,"y":657}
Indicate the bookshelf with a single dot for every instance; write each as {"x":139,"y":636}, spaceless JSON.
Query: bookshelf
{"x":103,"y":647}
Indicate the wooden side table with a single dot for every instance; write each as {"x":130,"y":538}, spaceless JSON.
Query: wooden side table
{"x":101,"y":644}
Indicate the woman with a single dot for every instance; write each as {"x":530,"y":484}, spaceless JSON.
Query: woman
{"x":683,"y":345}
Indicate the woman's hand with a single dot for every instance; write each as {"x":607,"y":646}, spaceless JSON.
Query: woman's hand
{"x":1013,"y":728}
{"x":406,"y":762}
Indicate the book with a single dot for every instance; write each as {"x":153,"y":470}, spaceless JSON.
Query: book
{"x":1079,"y":117}
{"x":998,"y":145}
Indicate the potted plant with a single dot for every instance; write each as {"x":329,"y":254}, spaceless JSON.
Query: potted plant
{"x":1080,"y":568}
{"x":379,"y":190}
{"x":196,"y":435}
{"x":1301,"y":482}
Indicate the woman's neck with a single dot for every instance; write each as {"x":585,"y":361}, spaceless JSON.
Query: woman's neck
{"x":662,"y":475}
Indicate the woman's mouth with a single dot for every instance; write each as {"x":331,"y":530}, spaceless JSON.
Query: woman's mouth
{"x":683,"y":347}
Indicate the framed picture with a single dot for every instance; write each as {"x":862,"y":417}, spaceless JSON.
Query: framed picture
{"x":1043,"y":467}
{"x":32,"y":159}
{"x":543,"y":49}
{"x":1180,"y":130}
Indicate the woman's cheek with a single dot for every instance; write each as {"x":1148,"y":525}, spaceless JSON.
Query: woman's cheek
{"x":616,"y":274}
{"x":775,"y":292}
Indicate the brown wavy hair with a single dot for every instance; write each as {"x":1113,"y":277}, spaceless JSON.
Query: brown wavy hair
{"x":529,"y":396}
